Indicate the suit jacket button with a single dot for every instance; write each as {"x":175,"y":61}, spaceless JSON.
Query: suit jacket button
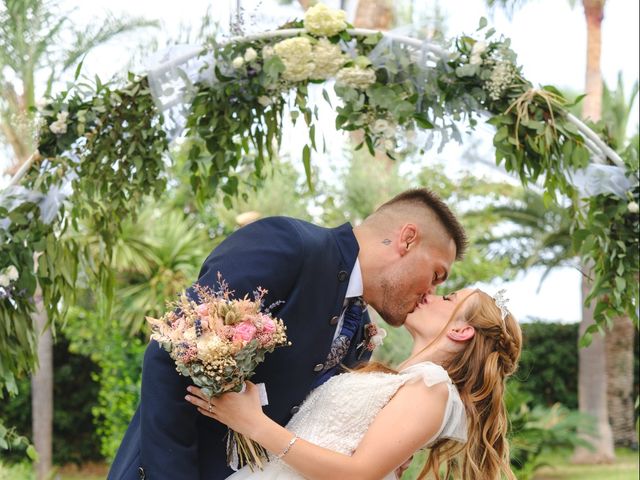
{"x":295,"y":409}
{"x":319,"y":367}
{"x":342,"y":275}
{"x":141,"y":473}
{"x":334,"y":320}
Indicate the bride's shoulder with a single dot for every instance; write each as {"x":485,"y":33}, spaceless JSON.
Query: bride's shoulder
{"x":431,"y":373}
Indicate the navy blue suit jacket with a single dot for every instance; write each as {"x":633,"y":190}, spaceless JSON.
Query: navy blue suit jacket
{"x":307,"y":267}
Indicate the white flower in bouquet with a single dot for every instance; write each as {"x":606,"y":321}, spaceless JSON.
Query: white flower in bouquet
{"x":633,"y":207}
{"x":324,"y":21}
{"x":237,"y":62}
{"x":356,"y":77}
{"x":209,"y":348}
{"x":378,"y":338}
{"x":250,"y":55}
{"x":59,"y":126}
{"x":296,"y":55}
{"x":218,"y":343}
{"x":327,"y":58}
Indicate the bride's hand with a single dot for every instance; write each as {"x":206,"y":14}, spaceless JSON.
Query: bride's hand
{"x":239,"y":411}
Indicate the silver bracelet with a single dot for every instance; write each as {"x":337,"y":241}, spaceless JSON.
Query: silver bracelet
{"x":288,"y":447}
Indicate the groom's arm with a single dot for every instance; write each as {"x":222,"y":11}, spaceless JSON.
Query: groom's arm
{"x":268,"y":253}
{"x":168,"y":436}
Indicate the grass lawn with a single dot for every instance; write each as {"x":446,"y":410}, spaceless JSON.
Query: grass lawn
{"x":71,"y":472}
{"x":560,"y":468}
{"x":625,"y":468}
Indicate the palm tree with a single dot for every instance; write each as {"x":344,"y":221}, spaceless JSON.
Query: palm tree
{"x":619,"y":342}
{"x":38,"y":39}
{"x":592,"y":381}
{"x":532,"y":233}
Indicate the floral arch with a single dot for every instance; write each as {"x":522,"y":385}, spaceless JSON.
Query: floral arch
{"x":102,"y":148}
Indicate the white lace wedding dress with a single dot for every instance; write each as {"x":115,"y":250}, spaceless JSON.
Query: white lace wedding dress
{"x":337,"y":414}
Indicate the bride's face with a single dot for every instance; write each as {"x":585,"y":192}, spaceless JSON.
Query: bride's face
{"x":431,"y":317}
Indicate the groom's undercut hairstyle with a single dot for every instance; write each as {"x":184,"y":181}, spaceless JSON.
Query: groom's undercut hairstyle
{"x":426,"y":199}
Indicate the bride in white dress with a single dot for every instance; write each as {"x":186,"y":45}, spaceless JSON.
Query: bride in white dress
{"x":364,"y":424}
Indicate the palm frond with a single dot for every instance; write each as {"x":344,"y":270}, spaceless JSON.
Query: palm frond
{"x":92,"y":37}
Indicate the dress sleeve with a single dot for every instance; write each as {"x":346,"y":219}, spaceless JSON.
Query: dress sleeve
{"x":454,"y":422}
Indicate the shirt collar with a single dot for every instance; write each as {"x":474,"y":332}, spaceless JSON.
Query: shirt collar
{"x":355,"y":287}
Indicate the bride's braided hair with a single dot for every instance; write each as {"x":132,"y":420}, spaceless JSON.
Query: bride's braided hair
{"x":479,"y":371}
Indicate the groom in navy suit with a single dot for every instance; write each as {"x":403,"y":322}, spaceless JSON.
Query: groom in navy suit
{"x":390,"y":261}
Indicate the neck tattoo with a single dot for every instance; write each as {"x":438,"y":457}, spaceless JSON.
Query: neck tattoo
{"x":386,"y":241}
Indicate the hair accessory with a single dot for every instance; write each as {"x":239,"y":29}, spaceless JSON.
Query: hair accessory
{"x":501,"y":302}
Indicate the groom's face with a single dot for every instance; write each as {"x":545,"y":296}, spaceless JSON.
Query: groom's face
{"x":408,"y":280}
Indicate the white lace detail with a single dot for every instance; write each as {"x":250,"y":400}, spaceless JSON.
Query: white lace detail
{"x":337,"y":414}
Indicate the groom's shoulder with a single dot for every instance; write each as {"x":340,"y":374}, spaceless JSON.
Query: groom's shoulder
{"x":286,"y":225}
{"x":294,"y":233}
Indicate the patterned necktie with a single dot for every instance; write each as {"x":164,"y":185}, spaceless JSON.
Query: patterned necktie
{"x":340,"y":346}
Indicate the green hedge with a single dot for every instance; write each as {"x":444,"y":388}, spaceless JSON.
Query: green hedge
{"x":75,"y":394}
{"x":549,"y":363}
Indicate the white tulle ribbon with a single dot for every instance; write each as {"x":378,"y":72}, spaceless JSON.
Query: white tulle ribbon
{"x":49,"y":203}
{"x":596,"y":179}
{"x":172,"y":74}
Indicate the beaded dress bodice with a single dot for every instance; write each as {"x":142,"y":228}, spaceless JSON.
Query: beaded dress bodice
{"x":337,"y":414}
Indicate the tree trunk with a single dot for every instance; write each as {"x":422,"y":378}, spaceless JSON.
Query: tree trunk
{"x":592,"y":390}
{"x":594,"y":13}
{"x":592,"y":370}
{"x":42,"y":392}
{"x":619,"y":345}
{"x":374,"y":14}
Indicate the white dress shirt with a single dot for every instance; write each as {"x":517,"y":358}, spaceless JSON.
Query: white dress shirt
{"x":355,"y":288}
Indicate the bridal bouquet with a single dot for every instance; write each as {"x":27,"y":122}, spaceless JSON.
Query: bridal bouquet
{"x":218,"y":343}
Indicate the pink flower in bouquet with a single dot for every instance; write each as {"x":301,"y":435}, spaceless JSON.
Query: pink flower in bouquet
{"x":245,"y":331}
{"x":206,"y":340}
{"x":202,"y":310}
{"x":264,"y":339}
{"x":268,"y":325}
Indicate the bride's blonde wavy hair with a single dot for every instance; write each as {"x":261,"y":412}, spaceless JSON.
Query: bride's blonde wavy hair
{"x":479,"y":372}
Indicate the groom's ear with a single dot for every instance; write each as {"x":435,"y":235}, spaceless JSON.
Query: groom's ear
{"x":461,"y":334}
{"x":408,"y":237}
